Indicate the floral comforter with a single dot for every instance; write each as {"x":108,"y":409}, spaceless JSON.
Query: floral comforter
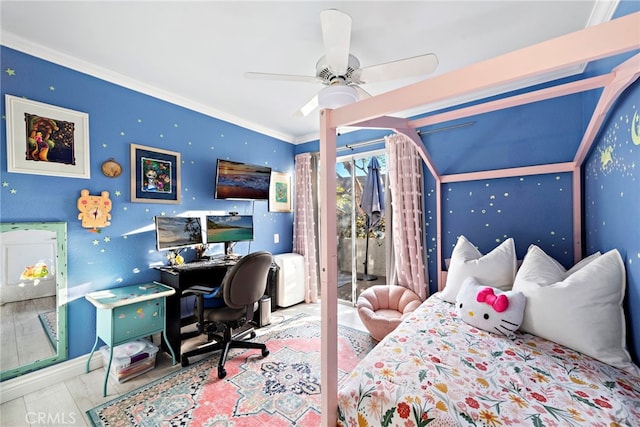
{"x":436,"y":370}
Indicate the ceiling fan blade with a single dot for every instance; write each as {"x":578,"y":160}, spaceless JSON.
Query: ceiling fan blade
{"x":362,"y":94}
{"x":408,"y":67}
{"x":284,"y":77}
{"x":336,"y":34}
{"x":307,"y":108}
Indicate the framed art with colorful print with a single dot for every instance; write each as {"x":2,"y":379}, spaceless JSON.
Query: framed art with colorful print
{"x":280,"y":192}
{"x":44,"y":139}
{"x":155,"y":175}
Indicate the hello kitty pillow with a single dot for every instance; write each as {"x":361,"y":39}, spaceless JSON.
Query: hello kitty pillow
{"x":489,"y":308}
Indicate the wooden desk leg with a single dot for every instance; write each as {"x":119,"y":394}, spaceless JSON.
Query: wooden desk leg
{"x":172,"y":338}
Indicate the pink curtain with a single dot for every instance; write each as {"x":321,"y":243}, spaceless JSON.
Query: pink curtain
{"x":305,"y":235}
{"x":404,"y":171}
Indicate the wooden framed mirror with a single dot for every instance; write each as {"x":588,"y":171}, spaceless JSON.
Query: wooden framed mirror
{"x":33,"y":290}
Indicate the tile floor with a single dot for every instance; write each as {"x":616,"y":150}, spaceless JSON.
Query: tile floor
{"x":65,"y":404}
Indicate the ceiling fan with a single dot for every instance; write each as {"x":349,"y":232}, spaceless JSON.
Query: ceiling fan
{"x":340,"y":71}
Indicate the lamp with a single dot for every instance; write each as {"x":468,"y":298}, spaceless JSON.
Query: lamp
{"x":336,"y":96}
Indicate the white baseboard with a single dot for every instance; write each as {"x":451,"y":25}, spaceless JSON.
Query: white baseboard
{"x":27,"y":383}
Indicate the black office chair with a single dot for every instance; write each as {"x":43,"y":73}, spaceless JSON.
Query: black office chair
{"x":242,"y":287}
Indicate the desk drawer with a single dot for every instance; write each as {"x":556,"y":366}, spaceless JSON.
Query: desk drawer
{"x":138,"y":320}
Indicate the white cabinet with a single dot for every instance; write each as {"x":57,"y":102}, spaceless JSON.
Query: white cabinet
{"x":291,"y":279}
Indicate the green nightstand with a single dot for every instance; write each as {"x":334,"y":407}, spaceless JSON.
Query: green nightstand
{"x":128,"y":313}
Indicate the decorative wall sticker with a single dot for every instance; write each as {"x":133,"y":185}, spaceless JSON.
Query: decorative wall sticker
{"x":94,"y":210}
{"x":635,"y":128}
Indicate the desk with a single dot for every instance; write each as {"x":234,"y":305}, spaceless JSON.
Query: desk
{"x":210,"y":274}
{"x":128,"y":313}
{"x":204,"y":273}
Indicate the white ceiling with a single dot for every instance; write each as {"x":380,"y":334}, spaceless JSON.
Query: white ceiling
{"x":194,"y":53}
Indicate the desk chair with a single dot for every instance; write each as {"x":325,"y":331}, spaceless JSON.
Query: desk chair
{"x":241,"y":288}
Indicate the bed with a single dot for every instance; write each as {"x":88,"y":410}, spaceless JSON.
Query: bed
{"x":436,"y":369}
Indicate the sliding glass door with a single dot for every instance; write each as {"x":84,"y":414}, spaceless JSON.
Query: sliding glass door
{"x":361,"y":242}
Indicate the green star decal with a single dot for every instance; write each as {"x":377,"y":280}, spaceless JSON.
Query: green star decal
{"x":10,"y":71}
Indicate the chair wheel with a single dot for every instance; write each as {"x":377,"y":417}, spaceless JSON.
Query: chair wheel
{"x":222,"y":373}
{"x":252,"y":335}
{"x":265,"y":352}
{"x":184,"y":361}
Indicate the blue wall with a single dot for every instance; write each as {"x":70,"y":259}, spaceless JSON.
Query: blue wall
{"x":121,"y":253}
{"x":612,"y":197}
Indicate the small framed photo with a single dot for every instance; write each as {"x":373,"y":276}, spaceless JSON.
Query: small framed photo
{"x":44,"y":139}
{"x":155,"y":175}
{"x":280,"y":192}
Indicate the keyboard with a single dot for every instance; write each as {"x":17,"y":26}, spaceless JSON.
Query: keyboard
{"x":207,"y":263}
{"x":201,"y":264}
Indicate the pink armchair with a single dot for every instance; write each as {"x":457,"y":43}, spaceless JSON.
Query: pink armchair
{"x":381,"y":308}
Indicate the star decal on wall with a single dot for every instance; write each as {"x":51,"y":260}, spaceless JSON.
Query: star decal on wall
{"x":10,"y":71}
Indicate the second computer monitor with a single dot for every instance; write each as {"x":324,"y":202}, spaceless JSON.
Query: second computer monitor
{"x":229,"y":228}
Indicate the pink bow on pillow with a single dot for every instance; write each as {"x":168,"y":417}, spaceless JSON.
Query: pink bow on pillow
{"x":499,"y":303}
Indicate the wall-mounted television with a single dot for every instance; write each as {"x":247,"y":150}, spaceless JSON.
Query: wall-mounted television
{"x":176,"y":232}
{"x":235,"y":180}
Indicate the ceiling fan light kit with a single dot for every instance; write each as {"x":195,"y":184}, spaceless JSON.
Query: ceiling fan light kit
{"x":336,"y":96}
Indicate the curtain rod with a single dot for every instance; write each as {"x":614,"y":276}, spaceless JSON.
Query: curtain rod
{"x":419,"y":132}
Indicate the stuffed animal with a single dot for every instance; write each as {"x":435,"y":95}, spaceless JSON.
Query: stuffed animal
{"x":489,"y":308}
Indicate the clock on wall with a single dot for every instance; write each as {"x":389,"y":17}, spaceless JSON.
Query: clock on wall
{"x":111,"y":168}
{"x":94,"y":210}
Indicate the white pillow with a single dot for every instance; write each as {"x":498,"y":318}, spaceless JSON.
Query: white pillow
{"x":497,"y":268}
{"x":580,"y":308}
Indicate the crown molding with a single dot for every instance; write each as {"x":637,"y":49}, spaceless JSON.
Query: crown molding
{"x":12,"y":41}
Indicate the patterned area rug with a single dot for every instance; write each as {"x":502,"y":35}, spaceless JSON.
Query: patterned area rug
{"x":282,"y":389}
{"x":50,"y":325}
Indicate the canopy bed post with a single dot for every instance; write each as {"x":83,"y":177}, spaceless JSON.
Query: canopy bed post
{"x":328,"y":271}
{"x":577,"y":213}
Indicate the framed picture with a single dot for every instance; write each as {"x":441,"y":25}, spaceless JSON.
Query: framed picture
{"x":155,"y":175}
{"x":46,"y":140}
{"x":280,"y":192}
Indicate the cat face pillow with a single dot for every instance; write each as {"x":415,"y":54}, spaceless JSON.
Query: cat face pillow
{"x":489,"y":308}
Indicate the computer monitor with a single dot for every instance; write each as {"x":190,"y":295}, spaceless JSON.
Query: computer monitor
{"x":229,"y":229}
{"x":177,"y":232}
